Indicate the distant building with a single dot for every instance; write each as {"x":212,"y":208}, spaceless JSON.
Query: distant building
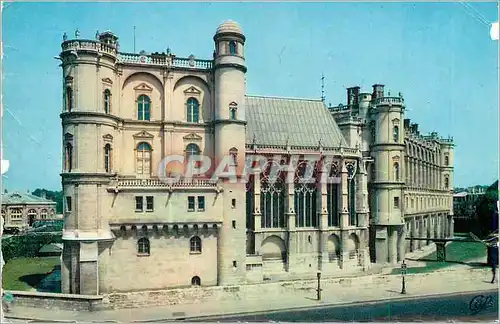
{"x":21,"y":210}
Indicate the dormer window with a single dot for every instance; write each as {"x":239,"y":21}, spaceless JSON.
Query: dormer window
{"x":232,"y":48}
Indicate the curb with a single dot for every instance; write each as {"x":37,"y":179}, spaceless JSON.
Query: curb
{"x":260,"y":312}
{"x":322,"y":305}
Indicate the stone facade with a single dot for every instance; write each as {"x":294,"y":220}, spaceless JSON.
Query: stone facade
{"x":127,"y":230}
{"x":410,"y":174}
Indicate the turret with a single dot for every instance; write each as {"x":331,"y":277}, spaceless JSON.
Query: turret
{"x":88,"y":129}
{"x":229,"y":70}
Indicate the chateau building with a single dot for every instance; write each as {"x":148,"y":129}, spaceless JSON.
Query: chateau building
{"x":410,"y":174}
{"x":126,"y":228}
{"x":21,"y":210}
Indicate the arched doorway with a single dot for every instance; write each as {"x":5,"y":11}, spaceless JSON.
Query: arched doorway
{"x":273,"y":251}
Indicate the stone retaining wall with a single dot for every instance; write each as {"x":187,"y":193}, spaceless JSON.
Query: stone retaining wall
{"x":57,"y":301}
{"x":143,"y":299}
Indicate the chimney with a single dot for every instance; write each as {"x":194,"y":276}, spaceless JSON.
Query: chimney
{"x":352,"y":96}
{"x":414,"y":128}
{"x":378,"y":91}
{"x":406,"y":123}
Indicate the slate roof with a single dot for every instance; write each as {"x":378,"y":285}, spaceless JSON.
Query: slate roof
{"x":13,"y":198}
{"x":303,"y":121}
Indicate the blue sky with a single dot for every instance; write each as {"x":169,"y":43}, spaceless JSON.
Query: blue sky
{"x":440,"y":56}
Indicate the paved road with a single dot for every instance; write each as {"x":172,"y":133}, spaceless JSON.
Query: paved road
{"x":439,"y":308}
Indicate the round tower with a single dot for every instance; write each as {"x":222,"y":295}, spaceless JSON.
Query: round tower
{"x":387,"y":151}
{"x":229,"y":119}
{"x":88,"y":125}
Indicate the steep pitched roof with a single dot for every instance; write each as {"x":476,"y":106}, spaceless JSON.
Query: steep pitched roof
{"x":12,"y":198}
{"x":304,"y":122}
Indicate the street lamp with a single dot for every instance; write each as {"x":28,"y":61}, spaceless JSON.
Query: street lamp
{"x":318,"y":274}
{"x":403,"y":273}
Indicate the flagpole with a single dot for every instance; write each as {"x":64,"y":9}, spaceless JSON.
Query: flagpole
{"x":134,"y":39}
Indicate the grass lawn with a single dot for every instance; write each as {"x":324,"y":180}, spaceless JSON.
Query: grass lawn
{"x":25,"y":273}
{"x":455,"y":252}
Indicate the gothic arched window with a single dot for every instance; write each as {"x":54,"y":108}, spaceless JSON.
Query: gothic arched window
{"x":143,"y":158}
{"x":193,"y":110}
{"x":143,"y":107}
{"x":305,"y":196}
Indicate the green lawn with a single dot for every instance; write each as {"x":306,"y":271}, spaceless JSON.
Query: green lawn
{"x":455,"y":252}
{"x":25,"y":273}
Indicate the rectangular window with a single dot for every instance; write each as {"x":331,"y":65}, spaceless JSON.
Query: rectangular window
{"x":190,"y":203}
{"x":233,"y":203}
{"x":149,"y":203}
{"x":201,"y":203}
{"x":396,"y":202}
{"x":138,"y":204}
{"x":68,"y":204}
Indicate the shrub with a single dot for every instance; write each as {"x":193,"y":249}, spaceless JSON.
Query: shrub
{"x":27,"y":245}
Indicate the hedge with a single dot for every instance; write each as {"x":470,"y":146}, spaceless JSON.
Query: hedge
{"x":27,"y":245}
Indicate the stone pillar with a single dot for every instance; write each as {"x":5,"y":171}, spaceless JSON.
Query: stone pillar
{"x":291,"y":228}
{"x":420,"y":231}
{"x":362,"y":197}
{"x":381,"y":244}
{"x":402,"y":243}
{"x":88,"y":263}
{"x":393,"y":244}
{"x":452,"y":226}
{"x":412,"y":233}
{"x":257,"y":215}
{"x":344,"y":205}
{"x":323,"y":219}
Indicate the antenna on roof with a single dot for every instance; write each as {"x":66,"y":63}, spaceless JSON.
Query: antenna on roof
{"x":323,"y":87}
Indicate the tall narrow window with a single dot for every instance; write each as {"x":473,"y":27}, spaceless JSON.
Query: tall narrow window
{"x":69,"y":157}
{"x":446,"y":182}
{"x":139,"y":204}
{"x":69,"y":99}
{"x":232,"y":113}
{"x":351,"y":195}
{"x":143,"y":107}
{"x":193,"y":109}
{"x":68,"y":204}
{"x":232,"y":48}
{"x":191,"y":203}
{"x":149,"y":203}
{"x":396,"y":171}
{"x":395,"y":134}
{"x":332,"y":190}
{"x":107,"y":101}
{"x":201,"y":203}
{"x":446,"y":160}
{"x":143,"y":246}
{"x":192,"y":150}
{"x":195,"y":244}
{"x":143,"y":158}
{"x":305,"y":197}
{"x":233,"y":108}
{"x":107,"y":157}
{"x":233,"y":153}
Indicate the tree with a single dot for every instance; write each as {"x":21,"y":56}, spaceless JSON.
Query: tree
{"x":487,"y":212}
{"x":56,"y":196}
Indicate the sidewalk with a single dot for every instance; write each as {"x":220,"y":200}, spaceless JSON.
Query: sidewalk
{"x":386,"y":288}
